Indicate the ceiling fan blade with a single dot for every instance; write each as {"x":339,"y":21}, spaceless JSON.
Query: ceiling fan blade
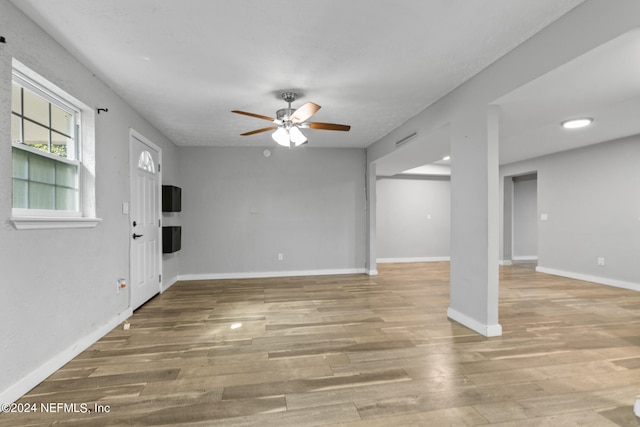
{"x":329,"y":126}
{"x":259,"y":130}
{"x":258,"y":116}
{"x":305,"y":112}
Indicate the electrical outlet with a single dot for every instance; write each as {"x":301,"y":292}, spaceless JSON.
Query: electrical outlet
{"x":121,"y":285}
{"x":280,"y":256}
{"x":600,"y":261}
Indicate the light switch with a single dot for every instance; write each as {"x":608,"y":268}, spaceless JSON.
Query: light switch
{"x":544,"y":217}
{"x":125,"y":208}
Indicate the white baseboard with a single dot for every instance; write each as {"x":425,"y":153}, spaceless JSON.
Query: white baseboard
{"x":416,"y":259}
{"x":34,"y":378}
{"x":588,"y":278}
{"x":371,"y":272}
{"x":171,"y":282}
{"x":525,"y":257}
{"x":482,"y":329}
{"x":505,"y":262}
{"x":267,"y":274}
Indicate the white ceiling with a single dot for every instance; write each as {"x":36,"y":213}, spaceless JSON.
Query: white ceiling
{"x":369,"y":63}
{"x":603,"y":84}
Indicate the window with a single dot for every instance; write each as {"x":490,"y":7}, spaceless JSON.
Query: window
{"x":145,"y":162}
{"x":45,"y":150}
{"x":46,"y":146}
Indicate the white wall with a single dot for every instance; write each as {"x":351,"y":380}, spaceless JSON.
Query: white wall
{"x":241,"y":209}
{"x":413,"y":219}
{"x":59,"y":286}
{"x":590,"y":197}
{"x":525,"y":218}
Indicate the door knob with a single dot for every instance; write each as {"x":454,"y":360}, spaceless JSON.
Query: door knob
{"x":135,"y":236}
{"x":135,"y":223}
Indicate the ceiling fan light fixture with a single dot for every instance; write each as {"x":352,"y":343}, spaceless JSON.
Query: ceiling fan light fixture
{"x":577,"y":123}
{"x":281,"y":136}
{"x":296,"y":135}
{"x":289,"y":121}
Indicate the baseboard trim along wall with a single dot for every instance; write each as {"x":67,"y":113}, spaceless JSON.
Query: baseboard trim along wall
{"x":588,"y":278}
{"x":170,"y":283}
{"x":34,"y":378}
{"x":525,"y":258}
{"x":267,"y":274}
{"x":417,"y":259}
{"x":473,"y":324}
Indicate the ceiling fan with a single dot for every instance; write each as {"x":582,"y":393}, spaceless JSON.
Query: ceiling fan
{"x":288,"y":122}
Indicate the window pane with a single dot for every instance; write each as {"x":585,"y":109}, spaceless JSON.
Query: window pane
{"x":20,"y":164}
{"x":36,"y":108}
{"x":42,"y":169}
{"x":40,"y":181}
{"x":20,"y":194}
{"x":61,"y":120}
{"x":15,"y":129}
{"x":16,"y":101}
{"x":59,"y":144}
{"x":66,"y":175}
{"x":41,"y":196}
{"x":145,"y":162}
{"x":66,"y":199}
{"x":36,"y":136}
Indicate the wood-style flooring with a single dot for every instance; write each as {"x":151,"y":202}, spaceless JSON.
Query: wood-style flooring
{"x":357,"y":351}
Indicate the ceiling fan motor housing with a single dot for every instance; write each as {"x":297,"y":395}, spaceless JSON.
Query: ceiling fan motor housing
{"x":284,"y":114}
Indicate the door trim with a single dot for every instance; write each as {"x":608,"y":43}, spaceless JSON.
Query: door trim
{"x":137,"y":135}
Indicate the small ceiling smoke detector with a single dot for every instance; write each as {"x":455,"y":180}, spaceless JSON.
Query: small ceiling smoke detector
{"x":577,"y":123}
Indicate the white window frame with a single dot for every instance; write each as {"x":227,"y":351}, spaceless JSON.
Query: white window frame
{"x":84,"y":217}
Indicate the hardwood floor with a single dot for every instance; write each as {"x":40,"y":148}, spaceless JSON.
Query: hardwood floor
{"x":357,"y":351}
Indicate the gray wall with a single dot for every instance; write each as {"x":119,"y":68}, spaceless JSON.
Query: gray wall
{"x":413,"y":218}
{"x":59,"y":286}
{"x":590,"y":196}
{"x":241,"y":209}
{"x":525,"y":217}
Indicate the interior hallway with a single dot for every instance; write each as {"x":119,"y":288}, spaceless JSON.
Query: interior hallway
{"x":358,"y":351}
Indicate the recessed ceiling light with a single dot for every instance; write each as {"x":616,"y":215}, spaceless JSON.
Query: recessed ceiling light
{"x":577,"y":123}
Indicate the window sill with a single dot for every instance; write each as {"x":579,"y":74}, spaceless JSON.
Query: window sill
{"x":43,"y":223}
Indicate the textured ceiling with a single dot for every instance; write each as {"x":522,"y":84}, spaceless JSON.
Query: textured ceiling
{"x":603,"y":84}
{"x":369,"y":63}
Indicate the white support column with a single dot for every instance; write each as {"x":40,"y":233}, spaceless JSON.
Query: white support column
{"x":370,"y":262}
{"x":474,"y":222}
{"x":506,"y":255}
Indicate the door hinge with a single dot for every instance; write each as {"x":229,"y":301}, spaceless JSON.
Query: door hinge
{"x":159,"y":224}
{"x":159,"y":167}
{"x":160,"y":278}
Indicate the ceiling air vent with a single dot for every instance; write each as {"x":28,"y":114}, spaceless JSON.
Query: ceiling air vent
{"x":406,"y":139}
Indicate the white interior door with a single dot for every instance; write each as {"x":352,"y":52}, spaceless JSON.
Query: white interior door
{"x":145,"y":225}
